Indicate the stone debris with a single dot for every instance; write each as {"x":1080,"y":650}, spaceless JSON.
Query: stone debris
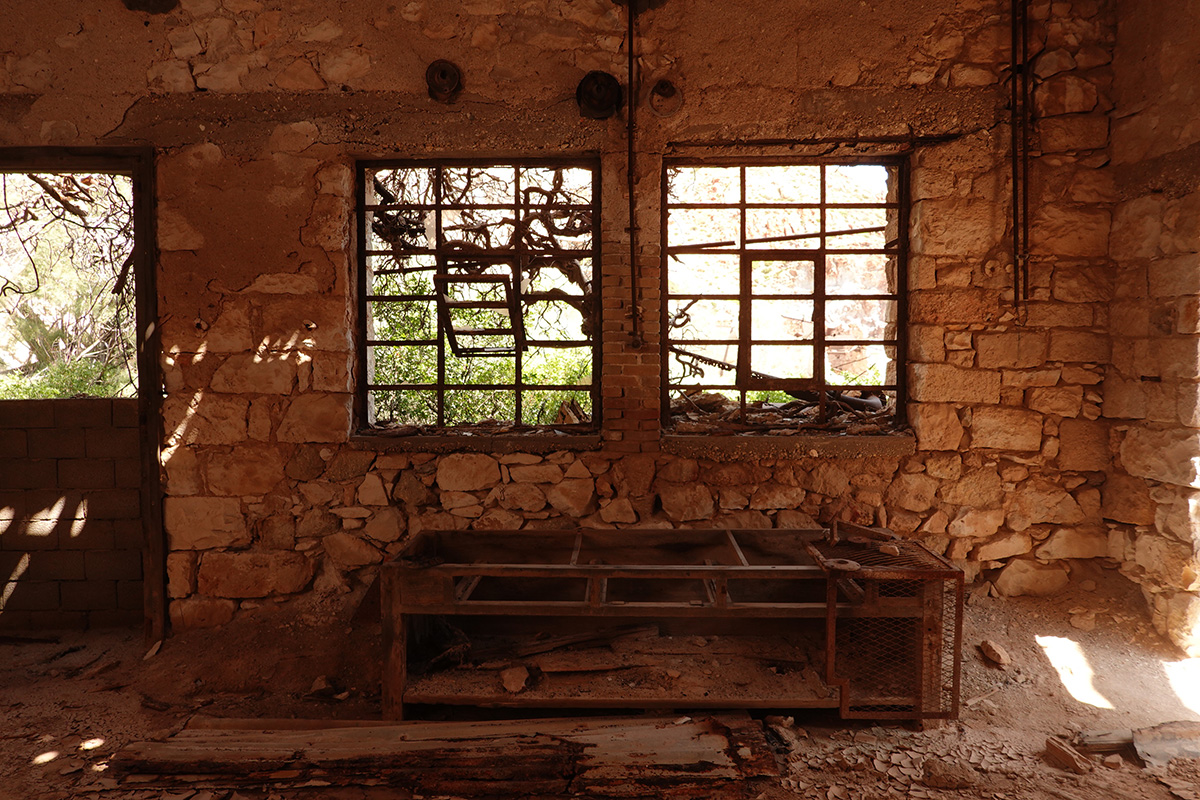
{"x":514,"y":679}
{"x":939,"y":774}
{"x":994,"y":653}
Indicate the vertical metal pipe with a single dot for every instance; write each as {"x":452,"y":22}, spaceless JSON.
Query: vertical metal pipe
{"x":635,"y":329}
{"x":1025,"y":123}
{"x":1014,"y":153}
{"x":1019,"y":125}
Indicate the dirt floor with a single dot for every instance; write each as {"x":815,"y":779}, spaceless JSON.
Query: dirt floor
{"x":71,"y":703}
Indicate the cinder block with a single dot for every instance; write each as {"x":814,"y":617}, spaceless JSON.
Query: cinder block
{"x":88,"y":595}
{"x":13,"y":443}
{"x":114,"y":504}
{"x":88,"y":534}
{"x":12,"y":506}
{"x":128,"y":534}
{"x":127,"y":473}
{"x":55,"y":504}
{"x":86,"y":473}
{"x":33,"y":596}
{"x":112,"y":442}
{"x":32,"y":534}
{"x":57,"y":443}
{"x":15,"y":620}
{"x":113,"y":565}
{"x":26,"y":414}
{"x":125,"y":412}
{"x":85,"y":412}
{"x":29,"y":473}
{"x":58,"y":620}
{"x":53,"y":565}
{"x":115,"y":618}
{"x":131,"y":596}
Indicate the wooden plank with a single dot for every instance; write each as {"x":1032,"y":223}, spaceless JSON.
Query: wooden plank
{"x":616,"y":570}
{"x":463,"y":590}
{"x":534,"y":646}
{"x":886,"y":607}
{"x":425,"y":731}
{"x":734,"y":683}
{"x":201,"y":722}
{"x":395,"y":643}
{"x":737,"y":549}
{"x":640,"y":756}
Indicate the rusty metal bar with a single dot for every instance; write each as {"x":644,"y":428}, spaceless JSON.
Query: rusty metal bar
{"x":1019,"y":125}
{"x":750,"y":253}
{"x":458,"y":262}
{"x":635,"y":314}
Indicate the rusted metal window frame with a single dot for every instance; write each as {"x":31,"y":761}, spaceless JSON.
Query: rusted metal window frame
{"x":748,"y":380}
{"x":363,"y":386}
{"x":138,"y":164}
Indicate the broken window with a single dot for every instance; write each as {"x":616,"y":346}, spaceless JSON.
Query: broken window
{"x":67,"y":302}
{"x":783,"y":296}
{"x":479,"y":302}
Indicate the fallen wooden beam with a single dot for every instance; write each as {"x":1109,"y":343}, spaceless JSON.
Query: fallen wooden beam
{"x":639,"y":756}
{"x":1063,"y":756}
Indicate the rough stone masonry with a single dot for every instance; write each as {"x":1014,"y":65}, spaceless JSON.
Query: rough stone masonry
{"x":1068,"y":430}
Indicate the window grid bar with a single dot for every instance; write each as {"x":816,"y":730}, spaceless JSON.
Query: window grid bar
{"x":750,"y":253}
{"x":520,"y":253}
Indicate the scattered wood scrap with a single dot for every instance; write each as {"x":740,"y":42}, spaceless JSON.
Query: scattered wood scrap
{"x":1062,"y":755}
{"x":546,"y":644}
{"x":587,"y":757}
{"x":1104,"y":741}
{"x":646,"y":672}
{"x":849,"y":412}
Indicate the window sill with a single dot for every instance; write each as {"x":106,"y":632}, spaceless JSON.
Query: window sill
{"x":735,"y":448}
{"x":469,"y":443}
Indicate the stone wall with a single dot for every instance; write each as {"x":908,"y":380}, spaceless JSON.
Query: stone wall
{"x":1152,"y":390}
{"x":257,"y":116}
{"x":70,"y":520}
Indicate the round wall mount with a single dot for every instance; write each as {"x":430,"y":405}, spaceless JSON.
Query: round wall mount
{"x":599,"y":95}
{"x":665,"y":98}
{"x":444,"y":79}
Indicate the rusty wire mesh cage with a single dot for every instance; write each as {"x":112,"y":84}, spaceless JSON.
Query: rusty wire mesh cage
{"x":894,"y":629}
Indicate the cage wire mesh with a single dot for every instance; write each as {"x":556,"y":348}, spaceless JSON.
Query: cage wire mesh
{"x":895,"y":636}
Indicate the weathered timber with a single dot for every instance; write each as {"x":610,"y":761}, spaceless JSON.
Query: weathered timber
{"x":1063,"y":756}
{"x":641,"y":756}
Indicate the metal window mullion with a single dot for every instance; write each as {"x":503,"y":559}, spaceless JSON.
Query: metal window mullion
{"x":362,"y":401}
{"x":442,"y":267}
{"x":518,"y":267}
{"x":666,"y":340}
{"x":745,"y":282}
{"x":901,"y":356}
{"x":819,"y":269}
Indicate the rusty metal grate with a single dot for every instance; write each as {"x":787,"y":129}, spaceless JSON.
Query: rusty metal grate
{"x":894,"y":625}
{"x":911,"y":556}
{"x":783,"y":282}
{"x":478,"y":298}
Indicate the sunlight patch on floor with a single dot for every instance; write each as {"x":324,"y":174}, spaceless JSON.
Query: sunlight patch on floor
{"x":1073,"y":669}
{"x":1184,"y":677}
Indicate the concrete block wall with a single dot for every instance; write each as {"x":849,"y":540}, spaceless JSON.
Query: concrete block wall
{"x":70,"y":513}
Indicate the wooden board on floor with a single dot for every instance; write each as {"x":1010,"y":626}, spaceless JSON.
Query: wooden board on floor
{"x":606,"y":679}
{"x":634,"y":756}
